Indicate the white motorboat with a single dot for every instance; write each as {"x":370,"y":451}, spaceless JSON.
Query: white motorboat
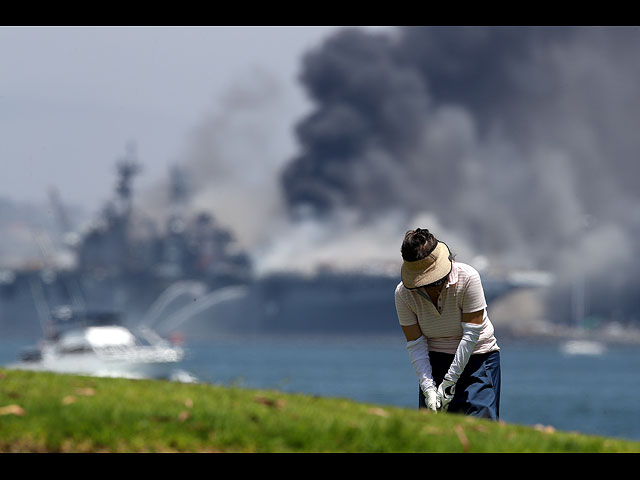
{"x":582,"y":347}
{"x":104,"y":350}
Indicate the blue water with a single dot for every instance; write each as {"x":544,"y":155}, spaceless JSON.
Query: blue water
{"x":540,"y":385}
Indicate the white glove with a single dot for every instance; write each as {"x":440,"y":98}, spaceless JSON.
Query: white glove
{"x":470,"y":336}
{"x":419,"y":355}
{"x":445,"y":393}
{"x":431,"y":399}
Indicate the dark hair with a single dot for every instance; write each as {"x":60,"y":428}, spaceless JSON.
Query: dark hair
{"x":418,"y":244}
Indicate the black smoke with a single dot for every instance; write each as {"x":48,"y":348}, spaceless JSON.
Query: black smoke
{"x":521,"y":140}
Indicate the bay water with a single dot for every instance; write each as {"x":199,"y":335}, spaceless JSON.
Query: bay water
{"x":541,"y":385}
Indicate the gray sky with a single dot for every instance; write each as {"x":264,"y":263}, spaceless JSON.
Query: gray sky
{"x":71,"y":97}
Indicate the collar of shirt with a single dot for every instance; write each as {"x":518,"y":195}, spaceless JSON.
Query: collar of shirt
{"x":453,"y":276}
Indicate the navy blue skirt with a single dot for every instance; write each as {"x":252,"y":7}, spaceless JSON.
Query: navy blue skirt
{"x":477,"y":390}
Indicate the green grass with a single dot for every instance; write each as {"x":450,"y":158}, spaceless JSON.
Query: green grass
{"x":68,"y":413}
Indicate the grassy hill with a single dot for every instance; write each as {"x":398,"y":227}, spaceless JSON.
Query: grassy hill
{"x":46,"y":412}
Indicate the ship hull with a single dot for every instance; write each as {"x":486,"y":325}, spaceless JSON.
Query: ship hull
{"x":91,"y":365}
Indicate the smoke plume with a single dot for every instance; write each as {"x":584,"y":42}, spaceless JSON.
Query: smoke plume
{"x":517,"y":144}
{"x":231,"y":160}
{"x":519,"y":140}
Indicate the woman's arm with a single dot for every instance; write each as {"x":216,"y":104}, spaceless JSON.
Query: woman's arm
{"x":471,"y":328}
{"x":475,"y":317}
{"x":412,"y":332}
{"x":418,"y":349}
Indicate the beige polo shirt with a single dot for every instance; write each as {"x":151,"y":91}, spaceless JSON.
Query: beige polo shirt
{"x":441,"y":325}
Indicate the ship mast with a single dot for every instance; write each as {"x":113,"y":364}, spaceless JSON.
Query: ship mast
{"x":128,"y":167}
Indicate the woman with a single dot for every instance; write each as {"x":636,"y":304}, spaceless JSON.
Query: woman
{"x":450,"y":339}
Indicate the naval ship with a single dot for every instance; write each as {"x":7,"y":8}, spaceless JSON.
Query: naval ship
{"x":190,"y":278}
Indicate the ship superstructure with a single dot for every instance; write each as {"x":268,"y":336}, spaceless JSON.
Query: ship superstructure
{"x":123,"y":260}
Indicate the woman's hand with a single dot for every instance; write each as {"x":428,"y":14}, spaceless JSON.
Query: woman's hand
{"x":431,"y":399}
{"x":445,"y":393}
